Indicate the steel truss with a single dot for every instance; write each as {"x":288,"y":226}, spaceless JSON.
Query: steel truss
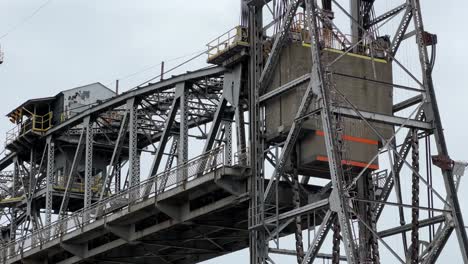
{"x":422,"y":122}
{"x":164,"y":122}
{"x":168,"y":113}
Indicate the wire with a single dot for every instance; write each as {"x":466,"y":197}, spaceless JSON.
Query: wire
{"x":187,"y":55}
{"x":154,"y":66}
{"x":171,"y":69}
{"x":26,"y":19}
{"x":198,"y":54}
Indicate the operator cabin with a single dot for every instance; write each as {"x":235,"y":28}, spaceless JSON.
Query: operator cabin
{"x":35,"y":117}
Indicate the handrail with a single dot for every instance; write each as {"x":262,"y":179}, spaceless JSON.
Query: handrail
{"x":36,"y":123}
{"x":145,"y":190}
{"x":42,"y":123}
{"x":233,"y":37}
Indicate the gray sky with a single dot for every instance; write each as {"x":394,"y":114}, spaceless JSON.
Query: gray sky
{"x":76,"y":42}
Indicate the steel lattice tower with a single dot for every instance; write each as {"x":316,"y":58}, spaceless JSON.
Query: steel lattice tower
{"x":354,"y":207}
{"x":311,"y":137}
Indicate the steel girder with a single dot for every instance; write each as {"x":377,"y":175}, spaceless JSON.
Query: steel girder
{"x":95,"y":128}
{"x":142,"y":91}
{"x":114,"y":167}
{"x":418,"y":121}
{"x":50,"y":179}
{"x":257,"y":245}
{"x":165,"y":112}
{"x":431,"y":111}
{"x":389,"y":14}
{"x":401,"y":31}
{"x":320,"y":87}
{"x":88,"y":177}
{"x":182,"y":152}
{"x":280,"y":40}
{"x":72,"y":173}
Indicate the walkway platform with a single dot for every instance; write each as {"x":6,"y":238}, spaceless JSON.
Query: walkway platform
{"x":192,"y":221}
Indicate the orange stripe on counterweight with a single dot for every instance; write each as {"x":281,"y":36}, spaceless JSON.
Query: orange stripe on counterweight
{"x":351,"y":163}
{"x":351,"y":138}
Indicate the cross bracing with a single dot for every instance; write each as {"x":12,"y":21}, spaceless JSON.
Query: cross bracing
{"x":219,"y":159}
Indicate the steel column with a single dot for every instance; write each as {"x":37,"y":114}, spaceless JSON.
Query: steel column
{"x":336,"y":242}
{"x":257,"y":236}
{"x":49,"y":180}
{"x":72,"y":173}
{"x":297,"y":204}
{"x":161,"y":184}
{"x":320,"y":84}
{"x":401,"y":30}
{"x":320,"y":235}
{"x":114,"y":165}
{"x":14,"y":193}
{"x":88,"y":177}
{"x":227,"y":142}
{"x":219,"y":114}
{"x":134,"y":154}
{"x":182,"y":92}
{"x":280,"y":40}
{"x":164,"y":138}
{"x":432,"y":114}
{"x":414,"y":252}
{"x":117,"y":171}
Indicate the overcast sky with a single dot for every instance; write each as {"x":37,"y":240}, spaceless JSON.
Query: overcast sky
{"x":70,"y":43}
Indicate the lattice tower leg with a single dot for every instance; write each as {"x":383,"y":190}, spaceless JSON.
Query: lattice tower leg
{"x":133,"y":177}
{"x":321,"y":85}
{"x":228,"y":142}
{"x":365,"y":236}
{"x":431,"y":111}
{"x":13,"y":215}
{"x":297,"y":204}
{"x":88,"y":195}
{"x":170,"y":161}
{"x":118,"y":176}
{"x":134,"y":155}
{"x":182,"y":156}
{"x":241,"y":144}
{"x":257,"y":237}
{"x":336,"y":242}
{"x":398,"y":193}
{"x":415,"y":200}
{"x":15,"y":186}
{"x":49,"y":181}
{"x":374,"y":242}
{"x":12,"y":211}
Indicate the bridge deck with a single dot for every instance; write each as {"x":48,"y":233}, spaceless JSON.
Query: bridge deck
{"x":189,"y":222}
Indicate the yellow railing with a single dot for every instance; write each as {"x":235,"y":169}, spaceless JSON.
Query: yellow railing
{"x":232,"y":38}
{"x":78,"y":187}
{"x":42,"y":123}
{"x":35,"y":123}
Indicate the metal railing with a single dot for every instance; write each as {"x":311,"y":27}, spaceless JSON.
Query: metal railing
{"x":147,"y":189}
{"x":79,"y":187}
{"x":334,"y":39}
{"x":379,"y":179}
{"x":17,"y":131}
{"x":35,"y":123}
{"x":42,"y":123}
{"x":234,"y":37}
{"x":242,"y":156}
